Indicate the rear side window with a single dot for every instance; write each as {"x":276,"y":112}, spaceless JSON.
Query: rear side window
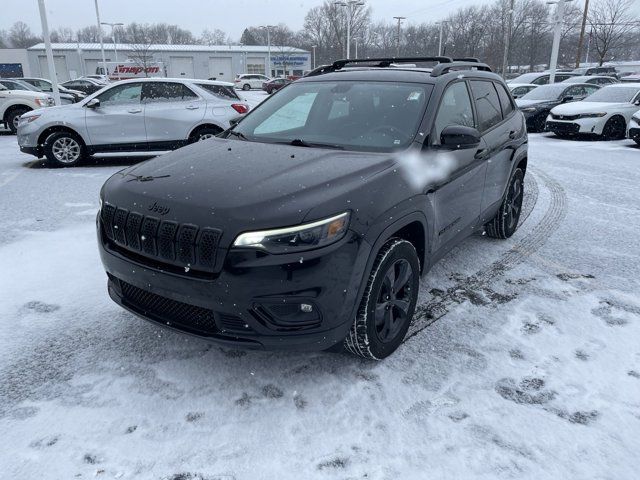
{"x":455,"y":109}
{"x":166,"y":92}
{"x":487,"y":104}
{"x":505,"y":100}
{"x":220,"y":91}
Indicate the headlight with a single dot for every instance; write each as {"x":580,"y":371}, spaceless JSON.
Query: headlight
{"x":29,"y":118}
{"x":592,"y":115}
{"x":529,"y":109}
{"x":44,"y":102}
{"x":294,"y":239}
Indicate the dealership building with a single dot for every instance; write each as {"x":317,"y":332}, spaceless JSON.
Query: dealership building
{"x":222,"y":62}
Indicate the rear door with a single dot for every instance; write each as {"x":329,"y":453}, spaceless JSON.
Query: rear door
{"x":457,"y":199}
{"x":502,"y":130}
{"x":119,"y":120}
{"x":171,"y":111}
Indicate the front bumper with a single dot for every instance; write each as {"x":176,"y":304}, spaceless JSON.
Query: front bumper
{"x":575,"y":126}
{"x":28,"y":134}
{"x":634,"y":134}
{"x":254,"y":301}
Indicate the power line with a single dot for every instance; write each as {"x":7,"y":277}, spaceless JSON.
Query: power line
{"x":399,"y":19}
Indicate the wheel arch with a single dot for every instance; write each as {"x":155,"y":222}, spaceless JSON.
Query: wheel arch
{"x":59,"y":128}
{"x":13,"y":107}
{"x":201,"y":126}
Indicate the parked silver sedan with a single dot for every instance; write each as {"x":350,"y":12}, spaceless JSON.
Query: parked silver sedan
{"x":150,"y":114}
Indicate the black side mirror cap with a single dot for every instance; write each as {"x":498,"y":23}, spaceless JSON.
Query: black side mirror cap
{"x":567,"y":99}
{"x":458,"y":137}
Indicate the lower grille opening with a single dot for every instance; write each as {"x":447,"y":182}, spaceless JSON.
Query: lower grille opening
{"x":233,"y":323}
{"x":174,"y":313}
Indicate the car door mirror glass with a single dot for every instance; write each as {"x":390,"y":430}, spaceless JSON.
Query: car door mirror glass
{"x":458,"y":137}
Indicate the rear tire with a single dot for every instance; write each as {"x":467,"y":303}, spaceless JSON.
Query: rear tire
{"x":505,"y":223}
{"x":204,"y":133}
{"x":64,"y":149}
{"x":13,"y":116}
{"x":388,"y":303}
{"x":615,"y":129}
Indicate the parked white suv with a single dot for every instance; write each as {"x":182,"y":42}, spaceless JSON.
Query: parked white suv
{"x":150,"y":114}
{"x":248,"y":81}
{"x":14,"y":103}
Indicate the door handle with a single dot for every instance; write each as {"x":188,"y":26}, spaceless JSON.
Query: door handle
{"x":135,"y":110}
{"x":192,"y":107}
{"x":512,"y":134}
{"x":481,"y":154}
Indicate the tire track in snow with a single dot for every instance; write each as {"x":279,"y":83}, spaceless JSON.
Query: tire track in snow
{"x":429,"y":312}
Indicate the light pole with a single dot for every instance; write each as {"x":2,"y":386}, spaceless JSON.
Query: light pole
{"x":507,"y":38}
{"x":553,"y":63}
{"x":313,"y":47}
{"x":582,"y":29}
{"x":104,"y":59}
{"x":47,"y":46}
{"x":268,"y":29}
{"x":441,"y":23}
{"x":349,"y":5}
{"x":399,"y":19}
{"x":115,"y":42}
{"x":356,"y":42}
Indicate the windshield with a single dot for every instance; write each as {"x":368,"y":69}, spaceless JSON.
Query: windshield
{"x":375,"y":116}
{"x":526,"y":78}
{"x":545,"y":92}
{"x":614,"y":94}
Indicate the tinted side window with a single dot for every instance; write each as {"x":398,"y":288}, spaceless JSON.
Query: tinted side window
{"x":166,"y":92}
{"x":220,"y":91}
{"x":487,"y":104}
{"x":541,"y":80}
{"x":505,"y":100}
{"x":455,"y":109}
{"x":122,"y":94}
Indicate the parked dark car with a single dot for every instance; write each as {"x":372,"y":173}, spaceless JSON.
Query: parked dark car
{"x":537,"y":104}
{"x":275,"y":84}
{"x":541,"y":78}
{"x":45,"y":85}
{"x":604,"y":70}
{"x":601,"y":80}
{"x":308,"y":224}
{"x":87,"y":85}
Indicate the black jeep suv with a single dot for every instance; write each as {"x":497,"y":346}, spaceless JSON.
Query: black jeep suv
{"x":308,"y":224}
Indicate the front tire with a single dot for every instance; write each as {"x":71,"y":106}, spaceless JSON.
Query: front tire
{"x":615,"y":129}
{"x":246,"y":87}
{"x":64,"y":149}
{"x":505,"y":223}
{"x":13,"y":117}
{"x":388,"y":303}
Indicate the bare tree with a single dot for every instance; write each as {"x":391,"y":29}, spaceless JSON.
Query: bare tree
{"x":611,"y":25}
{"x":20,"y":36}
{"x":89,"y":34}
{"x":213,"y":37}
{"x":63,"y":35}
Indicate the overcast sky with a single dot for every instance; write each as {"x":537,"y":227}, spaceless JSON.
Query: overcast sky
{"x":232,"y":16}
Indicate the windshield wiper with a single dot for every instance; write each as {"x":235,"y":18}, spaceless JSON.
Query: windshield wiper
{"x":237,"y":134}
{"x":298,"y":142}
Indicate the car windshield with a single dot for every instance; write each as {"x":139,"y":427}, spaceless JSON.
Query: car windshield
{"x":525,"y":78}
{"x":614,"y":94}
{"x":545,"y":92}
{"x":367,"y":116}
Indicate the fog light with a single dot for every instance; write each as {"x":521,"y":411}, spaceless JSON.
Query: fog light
{"x":306,"y":308}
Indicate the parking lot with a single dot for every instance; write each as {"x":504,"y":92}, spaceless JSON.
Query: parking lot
{"x":524,"y":353}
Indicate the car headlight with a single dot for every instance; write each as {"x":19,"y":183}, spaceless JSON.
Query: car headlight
{"x":28,"y":118}
{"x":293,"y":239}
{"x":529,"y":109}
{"x":44,"y":101}
{"x":592,"y":115}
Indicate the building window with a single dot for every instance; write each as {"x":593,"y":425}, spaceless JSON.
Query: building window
{"x":255,"y":68}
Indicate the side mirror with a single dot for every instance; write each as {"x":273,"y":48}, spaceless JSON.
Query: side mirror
{"x":567,"y":99}
{"x":458,"y":137}
{"x":637,"y":103}
{"x":93,"y":103}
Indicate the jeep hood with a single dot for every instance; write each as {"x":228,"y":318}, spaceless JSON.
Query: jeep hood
{"x":240,"y":184}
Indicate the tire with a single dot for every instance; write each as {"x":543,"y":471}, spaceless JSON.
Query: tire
{"x":388,"y":303}
{"x":539,"y":123}
{"x":246,"y":87}
{"x":64,"y":149}
{"x":615,"y":129}
{"x":13,"y":116}
{"x":505,"y":223}
{"x":204,"y":133}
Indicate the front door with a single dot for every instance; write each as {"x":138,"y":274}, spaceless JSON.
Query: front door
{"x":119,"y":119}
{"x":458,"y":195}
{"x":171,"y":111}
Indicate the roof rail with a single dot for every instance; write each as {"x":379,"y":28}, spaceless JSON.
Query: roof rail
{"x":443,"y":68}
{"x":467,"y":59}
{"x":376,"y":62}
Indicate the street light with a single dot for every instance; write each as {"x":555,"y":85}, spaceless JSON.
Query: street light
{"x":268,"y":29}
{"x":313,"y":47}
{"x":349,"y":4}
{"x":553,"y":63}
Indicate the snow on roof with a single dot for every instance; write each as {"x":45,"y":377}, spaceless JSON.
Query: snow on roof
{"x":174,"y":48}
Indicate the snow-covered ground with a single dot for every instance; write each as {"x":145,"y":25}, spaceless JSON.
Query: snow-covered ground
{"x":524,"y":361}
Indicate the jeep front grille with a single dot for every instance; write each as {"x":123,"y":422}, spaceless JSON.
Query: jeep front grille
{"x":160,"y":243}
